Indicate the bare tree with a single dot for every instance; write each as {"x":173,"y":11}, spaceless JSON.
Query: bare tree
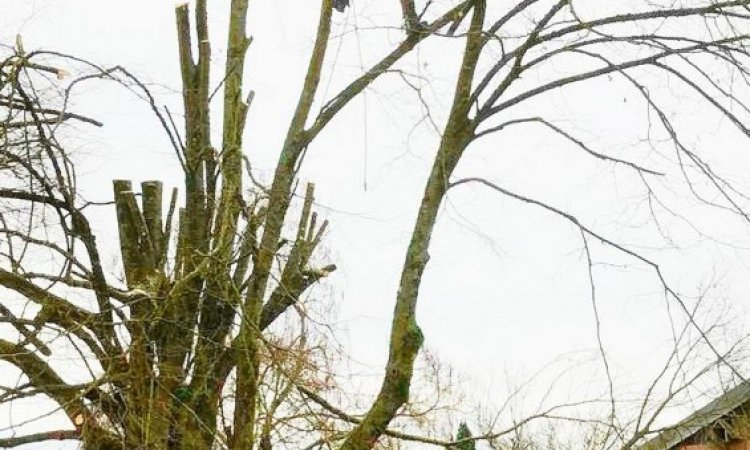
{"x":183,"y":343}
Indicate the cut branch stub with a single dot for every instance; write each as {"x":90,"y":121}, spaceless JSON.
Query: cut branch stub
{"x":297,"y":276}
{"x":141,"y":232}
{"x":152,"y":213}
{"x":166,"y":236}
{"x":129,"y":250}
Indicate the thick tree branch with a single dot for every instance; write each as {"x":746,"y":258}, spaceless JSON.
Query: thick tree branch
{"x":406,"y":337}
{"x":43,"y":378}
{"x":59,"y":435}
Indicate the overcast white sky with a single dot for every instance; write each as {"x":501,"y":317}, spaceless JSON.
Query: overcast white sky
{"x":506,"y":291}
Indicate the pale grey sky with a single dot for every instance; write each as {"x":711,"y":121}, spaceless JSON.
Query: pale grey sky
{"x":506,"y":291}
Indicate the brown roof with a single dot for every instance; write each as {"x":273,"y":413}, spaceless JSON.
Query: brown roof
{"x":702,"y":418}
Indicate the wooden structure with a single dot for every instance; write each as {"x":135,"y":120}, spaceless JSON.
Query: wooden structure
{"x":723,"y":424}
